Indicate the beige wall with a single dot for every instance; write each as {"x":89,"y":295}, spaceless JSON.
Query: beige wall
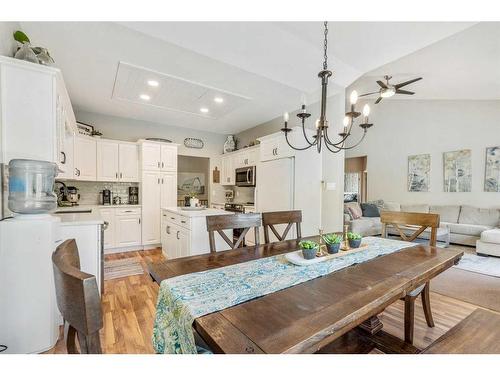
{"x":410,"y":127}
{"x":7,"y":43}
{"x":195,"y":164}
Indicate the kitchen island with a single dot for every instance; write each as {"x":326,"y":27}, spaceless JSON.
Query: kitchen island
{"x":184,"y":233}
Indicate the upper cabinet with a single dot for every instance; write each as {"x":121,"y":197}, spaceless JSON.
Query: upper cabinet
{"x":37,"y":120}
{"x":157,"y":156}
{"x":85,"y":158}
{"x":117,"y":161}
{"x":237,"y":159}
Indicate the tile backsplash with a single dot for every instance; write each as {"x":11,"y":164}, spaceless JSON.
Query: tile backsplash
{"x":89,"y":190}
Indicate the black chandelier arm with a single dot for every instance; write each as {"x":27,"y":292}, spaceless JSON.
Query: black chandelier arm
{"x":333,"y":151}
{"x":361,"y":140}
{"x":305,"y":135}
{"x":297,"y":148}
{"x":335,"y":144}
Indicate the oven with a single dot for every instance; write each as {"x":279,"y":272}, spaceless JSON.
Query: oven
{"x":245,"y":176}
{"x":239,"y":209}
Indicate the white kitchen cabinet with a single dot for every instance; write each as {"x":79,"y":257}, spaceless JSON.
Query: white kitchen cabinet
{"x":168,"y":158}
{"x":85,"y":163}
{"x":227,"y":170}
{"x":151,"y":201}
{"x":128,"y":230}
{"x":108,"y":215}
{"x":124,"y":229}
{"x":128,"y":161}
{"x":169,"y":189}
{"x":107,"y":160}
{"x":157,"y":156}
{"x":66,"y":164}
{"x":274,"y":148}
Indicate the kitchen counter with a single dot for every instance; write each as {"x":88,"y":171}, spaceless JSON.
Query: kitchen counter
{"x":201,"y":213}
{"x":79,"y":218}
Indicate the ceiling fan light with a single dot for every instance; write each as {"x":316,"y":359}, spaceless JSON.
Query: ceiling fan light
{"x":388,"y":92}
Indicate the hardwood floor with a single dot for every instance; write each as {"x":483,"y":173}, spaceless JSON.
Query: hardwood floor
{"x":129,"y":305}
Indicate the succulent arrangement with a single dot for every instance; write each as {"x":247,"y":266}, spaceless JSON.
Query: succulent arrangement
{"x":354,"y":236}
{"x":26,"y":51}
{"x":332,"y":238}
{"x":309,"y":249}
{"x":308,"y":245}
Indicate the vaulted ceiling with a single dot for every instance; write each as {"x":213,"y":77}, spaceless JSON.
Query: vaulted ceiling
{"x":263,"y":67}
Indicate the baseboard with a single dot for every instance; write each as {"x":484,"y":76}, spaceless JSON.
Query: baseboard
{"x":115,"y":250}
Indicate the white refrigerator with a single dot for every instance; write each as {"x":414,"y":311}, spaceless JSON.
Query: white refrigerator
{"x":29,"y":315}
{"x":275,"y":190}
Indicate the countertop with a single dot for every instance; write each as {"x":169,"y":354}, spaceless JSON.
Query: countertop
{"x":201,"y":213}
{"x":93,"y":217}
{"x":83,"y":207}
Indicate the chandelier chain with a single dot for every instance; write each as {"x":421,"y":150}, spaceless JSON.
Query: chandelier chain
{"x":325,"y":47}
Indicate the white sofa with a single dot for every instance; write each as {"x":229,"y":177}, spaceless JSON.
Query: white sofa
{"x":489,"y":244}
{"x":464,"y":223}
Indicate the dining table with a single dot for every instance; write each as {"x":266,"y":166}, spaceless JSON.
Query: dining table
{"x":334,"y":313}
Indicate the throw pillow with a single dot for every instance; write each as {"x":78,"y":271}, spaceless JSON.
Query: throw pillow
{"x":355,"y":214}
{"x":370,"y":210}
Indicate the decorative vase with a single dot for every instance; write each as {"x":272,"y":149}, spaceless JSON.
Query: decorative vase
{"x":193,"y":202}
{"x":44,"y":57}
{"x":333,"y":248}
{"x":26,"y":53}
{"x":310,"y":253}
{"x":354,"y":244}
{"x":229,"y":144}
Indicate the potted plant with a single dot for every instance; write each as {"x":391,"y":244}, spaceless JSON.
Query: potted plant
{"x":309,"y":249}
{"x":354,"y":239}
{"x":332,"y":242}
{"x":27,"y":52}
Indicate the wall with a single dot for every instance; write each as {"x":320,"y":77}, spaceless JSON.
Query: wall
{"x":409,"y":127}
{"x":7,"y":43}
{"x":193,"y":164}
{"x":332,"y":164}
{"x":131,"y":130}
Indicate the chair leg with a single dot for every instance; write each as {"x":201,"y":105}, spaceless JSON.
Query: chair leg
{"x":70,"y":337}
{"x":89,"y":344}
{"x":426,"y":303}
{"x":409,"y":318}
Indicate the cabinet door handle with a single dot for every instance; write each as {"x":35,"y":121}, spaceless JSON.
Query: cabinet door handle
{"x":172,"y":218}
{"x":127,"y":211}
{"x":177,"y":235}
{"x":77,"y":172}
{"x":162,"y":164}
{"x":158,"y":164}
{"x":106,"y":225}
{"x":120,"y":174}
{"x":158,"y":181}
{"x":139,"y":220}
{"x":183,"y":221}
{"x":64,"y":157}
{"x":116,"y":174}
{"x":162,"y":180}
{"x":167,"y":229}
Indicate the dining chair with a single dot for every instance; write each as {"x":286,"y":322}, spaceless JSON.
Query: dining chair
{"x":219,"y":223}
{"x":78,"y":300}
{"x":409,"y":225}
{"x":270,"y":219}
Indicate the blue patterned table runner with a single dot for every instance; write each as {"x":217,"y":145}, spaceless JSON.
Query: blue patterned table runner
{"x":184,"y":298}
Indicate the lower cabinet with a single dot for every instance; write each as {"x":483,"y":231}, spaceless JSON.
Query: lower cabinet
{"x":176,"y":242}
{"x":122,"y":227}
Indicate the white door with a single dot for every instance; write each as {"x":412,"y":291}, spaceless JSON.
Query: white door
{"x":168,"y":158}
{"x":169,"y":190}
{"x":108,"y":215}
{"x":183,"y":240}
{"x":107,"y":161}
{"x":128,"y":162}
{"x":128,"y":230}
{"x":227,"y":170}
{"x":85,"y":159}
{"x":151,"y":200}
{"x":151,"y":156}
{"x":68,"y":153}
{"x":169,"y":249}
{"x":253,"y":157}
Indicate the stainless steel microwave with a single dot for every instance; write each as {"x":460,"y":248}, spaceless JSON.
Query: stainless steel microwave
{"x":245,"y":176}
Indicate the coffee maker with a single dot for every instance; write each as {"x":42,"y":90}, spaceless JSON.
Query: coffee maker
{"x":106,"y":197}
{"x":133,"y":195}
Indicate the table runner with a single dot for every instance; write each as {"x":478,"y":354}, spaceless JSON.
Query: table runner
{"x":184,"y":298}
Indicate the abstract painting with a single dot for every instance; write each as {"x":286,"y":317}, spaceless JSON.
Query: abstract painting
{"x":191,"y":183}
{"x":492,"y":174}
{"x":457,"y":171}
{"x":419,"y":169}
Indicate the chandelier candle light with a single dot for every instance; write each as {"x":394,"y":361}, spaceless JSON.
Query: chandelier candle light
{"x":321,"y":135}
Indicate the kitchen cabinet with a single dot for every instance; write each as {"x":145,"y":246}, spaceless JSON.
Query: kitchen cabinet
{"x":128,"y":230}
{"x":117,"y":161}
{"x":227,"y":170}
{"x":85,"y":161}
{"x":274,"y":148}
{"x":66,"y":164}
{"x":151,"y":202}
{"x":124,"y":227}
{"x":157,"y":156}
{"x":168,"y":189}
{"x":108,"y":215}
{"x":237,"y":159}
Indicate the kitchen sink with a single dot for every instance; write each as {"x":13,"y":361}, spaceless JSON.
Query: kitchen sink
{"x":73,"y":212}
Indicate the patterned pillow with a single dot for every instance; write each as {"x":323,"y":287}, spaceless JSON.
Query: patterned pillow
{"x":355,"y":213}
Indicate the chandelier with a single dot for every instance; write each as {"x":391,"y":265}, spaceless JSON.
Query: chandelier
{"x":321,"y":135}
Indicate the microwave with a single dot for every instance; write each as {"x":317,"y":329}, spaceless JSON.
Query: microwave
{"x":245,"y":176}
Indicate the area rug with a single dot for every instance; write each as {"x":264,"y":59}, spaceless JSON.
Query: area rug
{"x":114,"y":269}
{"x":489,"y":266}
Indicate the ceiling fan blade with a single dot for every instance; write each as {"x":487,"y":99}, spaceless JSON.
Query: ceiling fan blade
{"x":378,"y":100}
{"x":404,"y":92}
{"x":370,"y":93}
{"x":399,"y":85}
{"x":382,"y":84}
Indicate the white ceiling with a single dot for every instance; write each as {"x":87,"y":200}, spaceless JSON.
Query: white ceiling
{"x":272,"y":63}
{"x":465,"y":66}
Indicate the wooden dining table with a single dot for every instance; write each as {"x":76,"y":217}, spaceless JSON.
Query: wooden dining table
{"x":336,"y":313}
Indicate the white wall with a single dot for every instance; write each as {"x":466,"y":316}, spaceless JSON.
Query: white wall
{"x":410,"y":127}
{"x":7,"y":42}
{"x":332,"y":164}
{"x":131,"y":130}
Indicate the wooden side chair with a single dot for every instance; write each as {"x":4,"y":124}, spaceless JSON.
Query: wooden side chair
{"x":219,"y":223}
{"x":78,"y":300}
{"x":409,"y":225}
{"x":270,"y":219}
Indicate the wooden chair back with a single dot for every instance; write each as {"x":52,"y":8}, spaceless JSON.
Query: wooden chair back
{"x":219,"y":223}
{"x":421,"y":221}
{"x":78,"y":300}
{"x":270,"y":219}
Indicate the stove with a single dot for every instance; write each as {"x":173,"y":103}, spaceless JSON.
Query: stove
{"x":234,"y":207}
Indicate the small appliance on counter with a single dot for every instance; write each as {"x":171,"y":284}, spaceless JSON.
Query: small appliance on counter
{"x":133,"y":195}
{"x":68,"y":195}
{"x":106,"y":197}
{"x":117,"y":200}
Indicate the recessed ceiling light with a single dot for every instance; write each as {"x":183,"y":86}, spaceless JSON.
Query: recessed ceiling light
{"x":144,"y":97}
{"x":203,"y":110}
{"x":153,"y":83}
{"x":218,"y":99}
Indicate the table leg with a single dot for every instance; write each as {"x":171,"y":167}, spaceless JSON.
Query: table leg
{"x":372,"y":325}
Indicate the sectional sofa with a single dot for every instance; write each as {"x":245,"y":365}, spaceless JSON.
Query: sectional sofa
{"x":463,"y":223}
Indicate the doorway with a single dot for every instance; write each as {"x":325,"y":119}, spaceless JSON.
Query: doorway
{"x":193,"y":179}
{"x":355,"y":179}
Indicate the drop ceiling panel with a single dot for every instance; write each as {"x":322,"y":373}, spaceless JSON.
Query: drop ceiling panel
{"x":173,"y":93}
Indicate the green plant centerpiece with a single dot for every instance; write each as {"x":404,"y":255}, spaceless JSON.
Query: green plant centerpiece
{"x":309,"y":249}
{"x":354,"y":239}
{"x":332,"y":242}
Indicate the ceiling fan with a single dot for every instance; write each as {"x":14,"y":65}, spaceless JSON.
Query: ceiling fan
{"x":387,"y":90}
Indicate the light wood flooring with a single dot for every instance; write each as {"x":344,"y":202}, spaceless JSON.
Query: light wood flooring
{"x":129,"y":309}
